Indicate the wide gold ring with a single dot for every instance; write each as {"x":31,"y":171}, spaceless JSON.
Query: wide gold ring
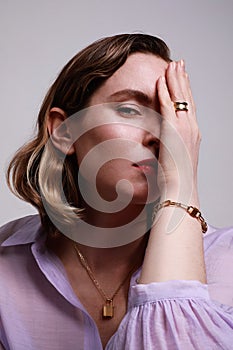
{"x":181,"y":106}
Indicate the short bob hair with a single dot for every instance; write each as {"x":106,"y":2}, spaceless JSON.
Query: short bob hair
{"x":71,"y":91}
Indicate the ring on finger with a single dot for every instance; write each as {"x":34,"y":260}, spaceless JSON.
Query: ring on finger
{"x":181,"y":106}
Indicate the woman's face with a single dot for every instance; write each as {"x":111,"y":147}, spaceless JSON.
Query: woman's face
{"x":121,"y":130}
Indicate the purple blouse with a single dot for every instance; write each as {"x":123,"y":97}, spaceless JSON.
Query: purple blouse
{"x":40,"y":311}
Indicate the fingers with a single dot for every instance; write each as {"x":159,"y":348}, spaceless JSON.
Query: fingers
{"x":166,"y":105}
{"x":176,"y":88}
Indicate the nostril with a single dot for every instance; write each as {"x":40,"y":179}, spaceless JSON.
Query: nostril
{"x":157,"y":152}
{"x":155,"y":144}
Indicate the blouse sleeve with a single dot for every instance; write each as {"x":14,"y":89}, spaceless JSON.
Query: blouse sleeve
{"x":174,"y":315}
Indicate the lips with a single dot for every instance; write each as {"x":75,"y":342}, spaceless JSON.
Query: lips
{"x":146,"y":162}
{"x":147,"y":165}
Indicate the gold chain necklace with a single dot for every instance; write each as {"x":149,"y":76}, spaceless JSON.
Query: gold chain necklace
{"x":108,"y":307}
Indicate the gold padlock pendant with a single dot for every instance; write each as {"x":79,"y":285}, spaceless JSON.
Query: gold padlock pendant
{"x":108,"y":309}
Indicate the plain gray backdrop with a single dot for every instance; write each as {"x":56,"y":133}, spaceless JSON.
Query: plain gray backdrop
{"x":39,"y":37}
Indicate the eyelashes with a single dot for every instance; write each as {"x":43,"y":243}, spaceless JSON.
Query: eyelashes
{"x":129,"y":110}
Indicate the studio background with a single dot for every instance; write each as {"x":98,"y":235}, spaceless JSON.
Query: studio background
{"x":38,"y":38}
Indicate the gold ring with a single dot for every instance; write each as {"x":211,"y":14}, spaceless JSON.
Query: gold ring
{"x":181,"y":106}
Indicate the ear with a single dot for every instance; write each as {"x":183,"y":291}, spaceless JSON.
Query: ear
{"x":59,"y":131}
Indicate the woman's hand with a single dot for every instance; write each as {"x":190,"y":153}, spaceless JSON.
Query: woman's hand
{"x":179,"y":136}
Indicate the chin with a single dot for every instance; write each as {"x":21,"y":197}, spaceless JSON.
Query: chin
{"x":144,"y":197}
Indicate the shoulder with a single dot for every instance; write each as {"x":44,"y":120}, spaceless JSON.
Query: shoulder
{"x":218,"y":238}
{"x":20,"y":231}
{"x":16,"y":259}
{"x":218,"y":246}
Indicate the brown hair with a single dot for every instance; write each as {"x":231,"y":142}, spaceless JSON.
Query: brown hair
{"x":71,"y":91}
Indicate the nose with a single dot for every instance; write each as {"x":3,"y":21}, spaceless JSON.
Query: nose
{"x":151,"y":134}
{"x":152,"y":142}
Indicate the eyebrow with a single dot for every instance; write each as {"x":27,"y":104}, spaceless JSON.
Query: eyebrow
{"x":127,"y":94}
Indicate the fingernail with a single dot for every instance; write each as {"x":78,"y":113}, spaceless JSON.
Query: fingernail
{"x":182,"y":64}
{"x":173,"y":65}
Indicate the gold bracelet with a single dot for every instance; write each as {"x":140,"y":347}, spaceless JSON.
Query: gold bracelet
{"x":192,"y":211}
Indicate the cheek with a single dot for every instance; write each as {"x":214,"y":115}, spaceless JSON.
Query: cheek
{"x":109,"y":139}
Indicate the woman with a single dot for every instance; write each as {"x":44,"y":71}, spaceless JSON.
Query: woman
{"x":94,"y":271}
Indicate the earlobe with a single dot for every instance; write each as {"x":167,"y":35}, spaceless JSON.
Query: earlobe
{"x":59,"y":131}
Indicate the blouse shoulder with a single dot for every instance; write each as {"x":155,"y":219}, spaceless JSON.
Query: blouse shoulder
{"x":20,"y":231}
{"x":218,"y":247}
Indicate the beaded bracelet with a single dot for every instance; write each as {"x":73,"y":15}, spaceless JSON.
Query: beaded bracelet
{"x":192,"y":211}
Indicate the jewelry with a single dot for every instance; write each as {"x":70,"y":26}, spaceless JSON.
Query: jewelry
{"x":192,"y":211}
{"x":181,"y":106}
{"x":108,"y":307}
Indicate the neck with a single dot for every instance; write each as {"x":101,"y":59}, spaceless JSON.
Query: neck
{"x":116,"y":219}
{"x":106,"y":261}
{"x":120,"y":257}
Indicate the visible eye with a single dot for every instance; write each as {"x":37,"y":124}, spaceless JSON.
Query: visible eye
{"x":128,"y":110}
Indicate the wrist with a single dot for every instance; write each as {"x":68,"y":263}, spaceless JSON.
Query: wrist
{"x":193,"y":211}
{"x":183,"y":195}
{"x":179,"y":188}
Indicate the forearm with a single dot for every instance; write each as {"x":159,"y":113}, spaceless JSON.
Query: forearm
{"x":175,"y":247}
